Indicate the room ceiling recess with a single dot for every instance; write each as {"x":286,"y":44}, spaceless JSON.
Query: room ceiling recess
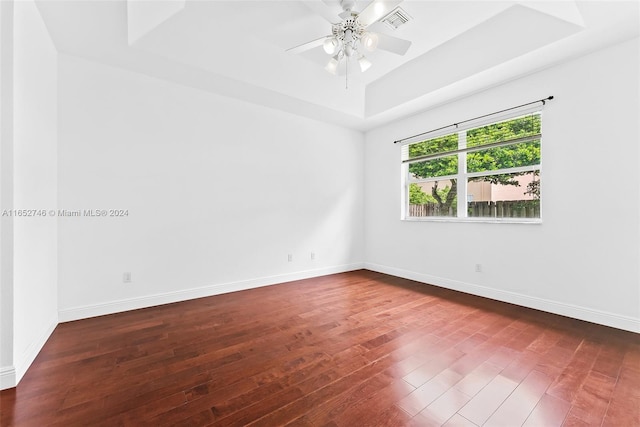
{"x":458,"y":47}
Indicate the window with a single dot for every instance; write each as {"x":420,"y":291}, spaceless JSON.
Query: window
{"x":487,"y":172}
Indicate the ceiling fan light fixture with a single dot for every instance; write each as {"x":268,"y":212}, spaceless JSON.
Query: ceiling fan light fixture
{"x":332,"y":66}
{"x":348,"y":36}
{"x":365,"y":64}
{"x":349,"y":50}
{"x":330,"y":45}
{"x":350,"y":39}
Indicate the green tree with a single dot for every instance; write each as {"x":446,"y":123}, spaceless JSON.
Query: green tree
{"x":496,"y":158}
{"x":417,"y":196}
{"x":441,"y":166}
{"x":533,"y":188}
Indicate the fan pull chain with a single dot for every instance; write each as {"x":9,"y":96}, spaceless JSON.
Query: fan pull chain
{"x":346,"y":74}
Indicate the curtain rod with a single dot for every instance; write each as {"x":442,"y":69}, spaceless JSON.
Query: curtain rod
{"x":543,"y":100}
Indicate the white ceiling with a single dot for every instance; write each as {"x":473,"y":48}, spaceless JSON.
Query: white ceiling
{"x":238,"y":48}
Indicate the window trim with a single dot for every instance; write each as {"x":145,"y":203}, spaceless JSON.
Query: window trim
{"x":463,"y":175}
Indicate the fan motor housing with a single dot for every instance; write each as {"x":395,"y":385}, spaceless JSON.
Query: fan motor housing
{"x":351,"y":23}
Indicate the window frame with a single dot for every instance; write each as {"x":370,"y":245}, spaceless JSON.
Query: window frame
{"x":462,"y":176}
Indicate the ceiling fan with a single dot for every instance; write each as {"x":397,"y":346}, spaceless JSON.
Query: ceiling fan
{"x":353,"y":35}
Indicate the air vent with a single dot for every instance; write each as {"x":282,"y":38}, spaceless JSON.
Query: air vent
{"x":395,"y":18}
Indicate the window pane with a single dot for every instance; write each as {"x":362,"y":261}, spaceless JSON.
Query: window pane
{"x":441,"y":166}
{"x":504,"y":196}
{"x":509,"y":156}
{"x":435,"y":198}
{"x":442,"y":144}
{"x":503,"y":131}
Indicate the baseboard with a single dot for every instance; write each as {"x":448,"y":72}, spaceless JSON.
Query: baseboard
{"x":569,"y":310}
{"x":25,"y":360}
{"x":84,"y":312}
{"x":10,"y":376}
{"x":7,"y":377}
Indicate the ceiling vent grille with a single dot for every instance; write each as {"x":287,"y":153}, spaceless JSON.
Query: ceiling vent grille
{"x":396,"y":18}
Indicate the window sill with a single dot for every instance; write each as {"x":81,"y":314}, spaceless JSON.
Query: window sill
{"x":483,"y":220}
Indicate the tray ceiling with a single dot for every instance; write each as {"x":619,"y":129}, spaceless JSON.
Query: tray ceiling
{"x":237,"y":48}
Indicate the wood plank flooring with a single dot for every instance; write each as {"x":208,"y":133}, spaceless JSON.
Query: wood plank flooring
{"x":352,"y":349}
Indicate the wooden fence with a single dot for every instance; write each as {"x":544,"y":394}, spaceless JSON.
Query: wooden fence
{"x":429,"y":209}
{"x":500,"y":209}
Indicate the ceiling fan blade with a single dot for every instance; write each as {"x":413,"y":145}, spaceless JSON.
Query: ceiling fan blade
{"x":376,"y":10}
{"x":308,"y":45}
{"x":392,"y":44}
{"x":330,"y":14}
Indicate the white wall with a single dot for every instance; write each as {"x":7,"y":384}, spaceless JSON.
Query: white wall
{"x":219,"y":192}
{"x":580,"y":262}
{"x":35,"y":308}
{"x":7,"y":370}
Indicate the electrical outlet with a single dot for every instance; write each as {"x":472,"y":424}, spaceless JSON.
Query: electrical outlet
{"x":313,"y":256}
{"x":478,"y":268}
{"x":290,"y":257}
{"x":126,"y":277}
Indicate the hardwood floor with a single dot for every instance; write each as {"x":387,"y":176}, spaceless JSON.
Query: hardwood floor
{"x":353,"y":349}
